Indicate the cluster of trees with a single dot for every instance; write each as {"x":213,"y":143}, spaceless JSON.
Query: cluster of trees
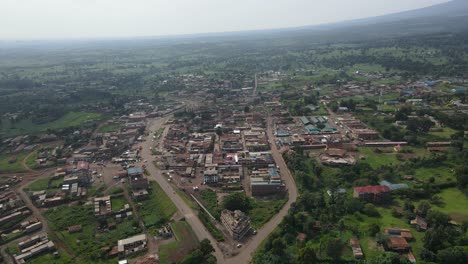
{"x":203,"y":254}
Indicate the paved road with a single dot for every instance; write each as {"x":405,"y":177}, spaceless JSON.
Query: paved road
{"x":186,"y":211}
{"x":251,"y":246}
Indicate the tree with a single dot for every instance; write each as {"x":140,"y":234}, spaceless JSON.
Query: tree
{"x":373,"y":229}
{"x":307,"y":255}
{"x":387,"y":258}
{"x":370,"y":210}
{"x":278,"y":246}
{"x":461,"y":173}
{"x":206,"y":247}
{"x":453,"y":255}
{"x":423,"y":208}
{"x":237,"y":201}
{"x":332,"y":247}
{"x":420,"y":124}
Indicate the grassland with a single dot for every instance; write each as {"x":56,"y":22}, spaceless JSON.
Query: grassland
{"x":185,"y":241}
{"x":16,"y":167}
{"x":158,"y":209}
{"x":109,"y":128}
{"x":376,"y":160}
{"x":26,"y":126}
{"x":118,"y":203}
{"x":455,"y":204}
{"x":210,"y":201}
{"x":264,"y":209}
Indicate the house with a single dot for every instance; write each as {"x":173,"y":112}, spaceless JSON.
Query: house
{"x":419,"y":223}
{"x":399,"y":232}
{"x":236,"y":223}
{"x":398,"y":244}
{"x":132,"y":245}
{"x":356,"y":247}
{"x":74,"y":229}
{"x":376,"y":193}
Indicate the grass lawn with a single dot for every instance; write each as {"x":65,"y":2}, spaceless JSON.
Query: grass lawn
{"x":210,"y":201}
{"x":31,"y":160}
{"x":456,"y":204}
{"x":39,"y":185}
{"x":158,"y":209}
{"x":376,"y":160}
{"x":441,"y":174}
{"x":264,"y":209}
{"x":16,"y":167}
{"x":109,"y":128}
{"x":26,"y":126}
{"x":185,"y":241}
{"x":118,"y":203}
{"x":445,"y":134}
{"x":63,"y":258}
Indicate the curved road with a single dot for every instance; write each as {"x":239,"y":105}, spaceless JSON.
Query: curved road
{"x":246,"y":252}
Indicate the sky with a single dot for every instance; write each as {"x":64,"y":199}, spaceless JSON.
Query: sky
{"x":62,"y":19}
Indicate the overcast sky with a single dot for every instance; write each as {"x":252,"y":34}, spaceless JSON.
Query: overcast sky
{"x":33,"y":19}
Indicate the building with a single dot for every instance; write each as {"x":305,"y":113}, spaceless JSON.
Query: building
{"x":236,"y":223}
{"x":210,"y":175}
{"x":138,"y":180}
{"x":419,"y":223}
{"x":376,"y":193}
{"x":356,"y":247}
{"x":398,"y":244}
{"x":265,"y":182}
{"x":132,"y":245}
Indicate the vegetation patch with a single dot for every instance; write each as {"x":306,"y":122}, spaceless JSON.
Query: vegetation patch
{"x":158,"y":209}
{"x":185,"y":241}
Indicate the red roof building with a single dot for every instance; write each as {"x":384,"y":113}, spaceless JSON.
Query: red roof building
{"x":372,"y":193}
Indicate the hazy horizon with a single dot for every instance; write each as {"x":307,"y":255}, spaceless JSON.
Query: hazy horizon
{"x":64,"y":19}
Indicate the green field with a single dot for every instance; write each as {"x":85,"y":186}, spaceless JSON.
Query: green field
{"x":39,"y":185}
{"x":376,"y":160}
{"x":118,"y":203}
{"x":16,"y":167}
{"x":185,"y":241}
{"x":87,"y":243}
{"x":26,"y":126}
{"x":109,"y":128}
{"x":158,"y":209}
{"x":264,"y":209}
{"x":455,"y":204}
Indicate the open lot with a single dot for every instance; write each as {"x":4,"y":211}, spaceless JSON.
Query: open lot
{"x":185,"y":241}
{"x":26,"y":126}
{"x":158,"y":209}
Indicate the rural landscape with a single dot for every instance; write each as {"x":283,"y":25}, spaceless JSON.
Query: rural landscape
{"x":340,"y":143}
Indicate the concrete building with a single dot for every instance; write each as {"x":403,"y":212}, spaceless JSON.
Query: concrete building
{"x":236,"y":223}
{"x":132,"y":245}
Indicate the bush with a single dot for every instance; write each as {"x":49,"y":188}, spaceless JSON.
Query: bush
{"x":370,"y":210}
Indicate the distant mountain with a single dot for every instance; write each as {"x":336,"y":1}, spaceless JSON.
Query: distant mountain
{"x":446,"y":17}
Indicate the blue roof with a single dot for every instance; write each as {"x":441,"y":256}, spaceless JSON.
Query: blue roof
{"x":393,"y":186}
{"x":273,"y":172}
{"x":459,"y":90}
{"x":133,"y":171}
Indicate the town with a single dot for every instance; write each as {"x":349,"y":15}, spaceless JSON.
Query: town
{"x":296,"y":146}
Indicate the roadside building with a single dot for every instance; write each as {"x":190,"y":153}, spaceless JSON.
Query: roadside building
{"x":132,"y":245}
{"x":236,"y":223}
